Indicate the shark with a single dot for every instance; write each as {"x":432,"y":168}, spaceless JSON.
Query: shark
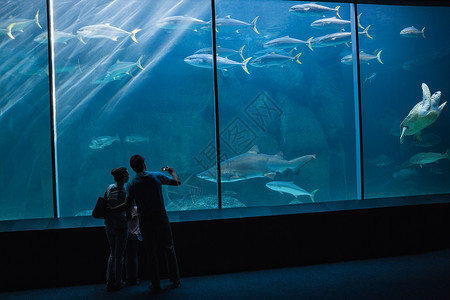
{"x":253,"y":164}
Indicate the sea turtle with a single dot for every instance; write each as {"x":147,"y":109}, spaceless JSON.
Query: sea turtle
{"x":422,"y":115}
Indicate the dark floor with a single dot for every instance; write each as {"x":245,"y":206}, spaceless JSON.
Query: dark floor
{"x":423,"y":276}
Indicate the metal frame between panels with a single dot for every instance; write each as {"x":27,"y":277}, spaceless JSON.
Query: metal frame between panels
{"x":51,"y":80}
{"x":216,"y":103}
{"x":387,"y":2}
{"x":357,"y":99}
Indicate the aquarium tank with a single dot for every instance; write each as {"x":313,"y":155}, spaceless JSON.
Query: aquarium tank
{"x":253,"y":103}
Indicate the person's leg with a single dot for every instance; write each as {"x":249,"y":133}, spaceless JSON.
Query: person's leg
{"x":148,"y":231}
{"x":172,"y":263}
{"x":168,"y":247}
{"x":132,"y":259}
{"x":110,"y":276}
{"x":121,"y":243}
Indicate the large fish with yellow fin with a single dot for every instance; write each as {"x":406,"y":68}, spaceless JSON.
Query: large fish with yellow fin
{"x":107,"y":31}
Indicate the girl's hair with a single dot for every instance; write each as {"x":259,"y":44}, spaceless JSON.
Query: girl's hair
{"x":119,"y":173}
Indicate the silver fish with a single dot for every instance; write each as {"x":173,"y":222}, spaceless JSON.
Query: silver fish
{"x":103,"y":141}
{"x":313,"y":9}
{"x":423,"y":158}
{"x":225,"y":52}
{"x":436,"y":171}
{"x":119,"y":70}
{"x":426,"y":57}
{"x":370,"y":78}
{"x":333,"y":23}
{"x":136,"y":138}
{"x":269,"y":50}
{"x":285,"y":43}
{"x":229,"y":24}
{"x":18,"y":24}
{"x":404,"y":174}
{"x":381,"y":161}
{"x":335,"y":39}
{"x":274,"y":59}
{"x":429,"y":140}
{"x":363,"y":57}
{"x":104,"y":31}
{"x":290,"y":188}
{"x":253,"y":165}
{"x":412,"y":32}
{"x":58,"y":37}
{"x":206,"y":61}
{"x":181,"y":22}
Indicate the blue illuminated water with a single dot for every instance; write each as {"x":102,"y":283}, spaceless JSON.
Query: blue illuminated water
{"x":166,"y":111}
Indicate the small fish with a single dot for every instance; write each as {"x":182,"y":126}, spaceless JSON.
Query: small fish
{"x":333,"y":23}
{"x":269,"y":50}
{"x":363,"y":57}
{"x":224,"y":52}
{"x":229,"y":24}
{"x":412,"y":32}
{"x":381,"y":161}
{"x":425,"y":57}
{"x":206,"y":61}
{"x":423,"y":158}
{"x":181,"y":22}
{"x":58,"y":37}
{"x":119,"y":70}
{"x":335,"y":39}
{"x":18,"y":24}
{"x":409,"y":65}
{"x":103,"y":141}
{"x":436,"y":171}
{"x":429,"y":140}
{"x":68,"y":68}
{"x":290,"y":188}
{"x":285,"y":43}
{"x":136,"y":138}
{"x":274,"y":59}
{"x":104,"y":31}
{"x":313,"y":9}
{"x":370,"y":78}
{"x":404,"y":174}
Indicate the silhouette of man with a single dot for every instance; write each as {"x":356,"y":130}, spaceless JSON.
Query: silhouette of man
{"x":145,"y":190}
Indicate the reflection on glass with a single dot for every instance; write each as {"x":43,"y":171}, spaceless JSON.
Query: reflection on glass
{"x":404,"y":91}
{"x":286,"y":104}
{"x":123,"y":87}
{"x":26,"y":167}
{"x":137,"y":78}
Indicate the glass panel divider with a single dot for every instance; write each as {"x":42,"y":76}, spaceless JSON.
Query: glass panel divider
{"x":216,"y":103}
{"x":51,"y":74}
{"x":357,"y":100}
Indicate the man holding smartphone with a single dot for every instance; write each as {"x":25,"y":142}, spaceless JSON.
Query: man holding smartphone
{"x":145,"y":191}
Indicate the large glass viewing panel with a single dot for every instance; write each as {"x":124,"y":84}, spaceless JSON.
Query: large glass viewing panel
{"x":137,"y":78}
{"x":408,"y":57}
{"x":25,"y":139}
{"x":287,"y":122}
{"x":123,"y":88}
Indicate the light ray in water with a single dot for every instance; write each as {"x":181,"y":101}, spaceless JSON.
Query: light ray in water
{"x":70,"y":88}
